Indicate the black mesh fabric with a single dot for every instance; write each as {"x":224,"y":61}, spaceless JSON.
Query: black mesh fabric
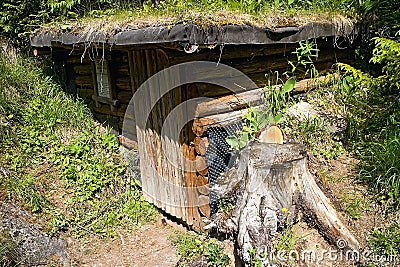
{"x":218,"y":157}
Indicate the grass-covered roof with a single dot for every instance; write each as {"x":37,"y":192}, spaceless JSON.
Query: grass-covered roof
{"x":200,"y":18}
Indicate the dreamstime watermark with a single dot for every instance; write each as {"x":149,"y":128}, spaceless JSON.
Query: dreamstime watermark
{"x":140,"y":112}
{"x":342,"y":254}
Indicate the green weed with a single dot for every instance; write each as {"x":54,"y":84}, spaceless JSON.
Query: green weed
{"x":386,"y":241}
{"x":190,"y":246}
{"x":51,"y":149}
{"x":9,"y":256}
{"x":373,"y":119}
{"x":354,"y":205}
{"x":216,"y":256}
{"x":226,"y":206}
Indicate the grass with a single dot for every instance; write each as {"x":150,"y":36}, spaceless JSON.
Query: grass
{"x":207,"y":12}
{"x":354,"y":204}
{"x":191,"y":246}
{"x":373,"y":115}
{"x":57,"y":161}
{"x":9,"y":256}
{"x":380,"y":167}
{"x":386,"y":241}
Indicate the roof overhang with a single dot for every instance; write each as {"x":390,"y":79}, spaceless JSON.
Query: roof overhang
{"x":194,"y":34}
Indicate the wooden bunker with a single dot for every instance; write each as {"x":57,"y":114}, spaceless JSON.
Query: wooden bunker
{"x":107,"y":70}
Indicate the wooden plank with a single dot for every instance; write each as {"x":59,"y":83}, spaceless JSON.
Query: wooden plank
{"x":200,"y":125}
{"x":204,"y":190}
{"x":124,"y":97}
{"x":84,"y":81}
{"x":133,"y":71}
{"x":203,"y":185}
{"x":83,"y":69}
{"x":154,"y":128}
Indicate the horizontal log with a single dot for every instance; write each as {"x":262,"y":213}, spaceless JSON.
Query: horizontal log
{"x":83,"y":85}
{"x":85,"y":93}
{"x":204,"y":190}
{"x":249,"y":98}
{"x":123,"y":87}
{"x":267,"y":63}
{"x":124,"y":97}
{"x":84,"y":78}
{"x":224,"y":53}
{"x":106,"y":109}
{"x":201,"y":180}
{"x":123,"y":83}
{"x":119,"y":56}
{"x":127,"y":142}
{"x":230,"y":52}
{"x":83,"y":69}
{"x":121,"y":69}
{"x":77,"y":59}
{"x":105,"y":100}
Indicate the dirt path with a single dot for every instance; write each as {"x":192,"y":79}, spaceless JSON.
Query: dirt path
{"x":147,"y":247}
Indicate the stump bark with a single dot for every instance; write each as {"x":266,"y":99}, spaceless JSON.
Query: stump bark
{"x":271,"y":187}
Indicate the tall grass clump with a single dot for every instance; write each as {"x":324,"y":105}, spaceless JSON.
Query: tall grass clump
{"x":373,"y":115}
{"x":57,"y":161}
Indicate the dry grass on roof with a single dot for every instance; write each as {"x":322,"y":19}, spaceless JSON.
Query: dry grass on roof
{"x":131,"y":20}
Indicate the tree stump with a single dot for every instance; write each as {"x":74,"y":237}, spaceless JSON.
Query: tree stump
{"x":270,"y":187}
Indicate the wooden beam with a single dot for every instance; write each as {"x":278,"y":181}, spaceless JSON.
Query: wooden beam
{"x":248,"y":98}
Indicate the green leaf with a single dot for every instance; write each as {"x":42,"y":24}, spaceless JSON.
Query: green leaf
{"x":243,"y":140}
{"x":288,"y":86}
{"x":232,"y":141}
{"x":278,"y":118}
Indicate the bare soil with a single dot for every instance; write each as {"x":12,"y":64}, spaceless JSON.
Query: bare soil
{"x":147,"y":247}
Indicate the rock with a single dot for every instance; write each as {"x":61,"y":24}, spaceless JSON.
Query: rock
{"x":200,"y":261}
{"x":302,"y":111}
{"x":32,"y":245}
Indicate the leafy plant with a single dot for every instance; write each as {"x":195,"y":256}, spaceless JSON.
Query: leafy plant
{"x":226,"y":206}
{"x":190,"y":246}
{"x":215,"y":255}
{"x":255,"y":259}
{"x":271,"y":112}
{"x":373,"y":120}
{"x":354,"y":205}
{"x":305,"y":54}
{"x":58,"y":162}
